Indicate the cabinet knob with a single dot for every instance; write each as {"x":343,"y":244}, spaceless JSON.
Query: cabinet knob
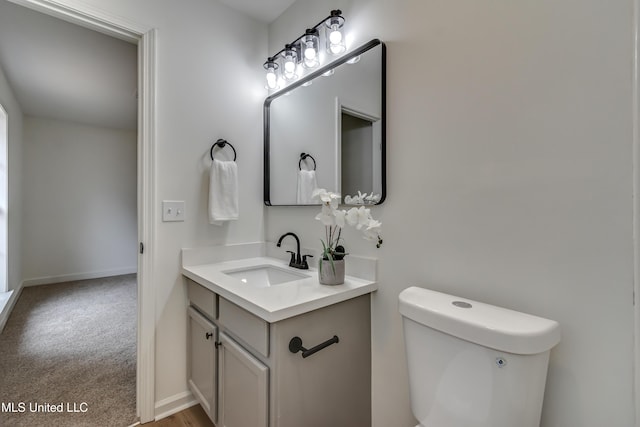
{"x":208,"y":335}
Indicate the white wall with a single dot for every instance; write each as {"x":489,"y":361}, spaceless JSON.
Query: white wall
{"x":209,"y":86}
{"x":80,"y":202}
{"x":509,"y":181}
{"x":15,"y":119}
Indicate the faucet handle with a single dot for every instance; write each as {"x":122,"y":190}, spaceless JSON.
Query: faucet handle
{"x":293,"y":258}
{"x":305,"y":266}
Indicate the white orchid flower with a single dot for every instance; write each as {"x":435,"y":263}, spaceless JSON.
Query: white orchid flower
{"x":315,"y":194}
{"x":362,"y":199}
{"x":359,"y":199}
{"x":373,"y":198}
{"x":329,"y":198}
{"x":374,"y":224}
{"x":335,"y":219}
{"x":324,"y":195}
{"x":363,"y":218}
{"x":372,"y":230}
{"x":327,"y":215}
{"x":352,"y":216}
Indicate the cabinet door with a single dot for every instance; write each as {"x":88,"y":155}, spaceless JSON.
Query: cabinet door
{"x":202,"y":361}
{"x":243,"y":387}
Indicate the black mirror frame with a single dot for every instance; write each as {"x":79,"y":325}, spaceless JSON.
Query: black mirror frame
{"x":266,"y":116}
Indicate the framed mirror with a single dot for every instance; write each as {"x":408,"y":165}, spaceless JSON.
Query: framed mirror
{"x":327,"y":130}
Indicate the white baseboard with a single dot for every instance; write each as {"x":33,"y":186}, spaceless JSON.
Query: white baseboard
{"x":174,"y":404}
{"x":49,"y":280}
{"x":5,"y":311}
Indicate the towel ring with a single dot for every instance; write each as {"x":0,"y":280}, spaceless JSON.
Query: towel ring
{"x":303,"y":156}
{"x":222,"y":143}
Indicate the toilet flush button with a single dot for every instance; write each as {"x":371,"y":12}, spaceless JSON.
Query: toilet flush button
{"x":462,"y":304}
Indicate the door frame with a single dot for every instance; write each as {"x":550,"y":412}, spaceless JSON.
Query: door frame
{"x":145,"y":37}
{"x":4,"y":269}
{"x":635,"y":99}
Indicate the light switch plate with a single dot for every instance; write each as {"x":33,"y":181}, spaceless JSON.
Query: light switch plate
{"x":172,"y":210}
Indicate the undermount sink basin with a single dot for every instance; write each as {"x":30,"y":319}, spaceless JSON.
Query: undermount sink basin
{"x":263,"y":276}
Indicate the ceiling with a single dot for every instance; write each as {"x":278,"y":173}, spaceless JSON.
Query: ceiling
{"x":62,"y":71}
{"x":262,"y":10}
{"x":66,"y":72}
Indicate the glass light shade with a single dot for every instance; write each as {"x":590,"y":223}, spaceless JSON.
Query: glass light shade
{"x":271,"y":68}
{"x":309,"y":47}
{"x":290,"y":62}
{"x":334,"y":35}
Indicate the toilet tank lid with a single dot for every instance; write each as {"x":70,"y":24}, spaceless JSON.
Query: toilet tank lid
{"x":484,"y":324}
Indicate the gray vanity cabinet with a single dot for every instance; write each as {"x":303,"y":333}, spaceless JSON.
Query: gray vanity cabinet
{"x":260,"y":382}
{"x":243,"y":384}
{"x":333,"y":386}
{"x":229,"y":382}
{"x":202,"y":361}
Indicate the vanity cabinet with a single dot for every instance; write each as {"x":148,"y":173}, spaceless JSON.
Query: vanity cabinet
{"x":203,"y":361}
{"x":248,"y":375}
{"x":244,"y":384}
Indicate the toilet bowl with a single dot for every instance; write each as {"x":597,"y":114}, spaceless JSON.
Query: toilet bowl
{"x":473,"y":364}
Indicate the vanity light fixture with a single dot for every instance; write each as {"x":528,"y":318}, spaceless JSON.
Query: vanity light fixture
{"x":305,"y":50}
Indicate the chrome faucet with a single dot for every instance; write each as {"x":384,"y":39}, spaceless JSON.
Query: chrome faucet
{"x":297,"y":260}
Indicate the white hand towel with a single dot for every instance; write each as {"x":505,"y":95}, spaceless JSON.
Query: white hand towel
{"x":306,"y":185}
{"x":223,"y":192}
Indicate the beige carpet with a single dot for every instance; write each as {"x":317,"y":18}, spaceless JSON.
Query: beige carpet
{"x":71,"y":347}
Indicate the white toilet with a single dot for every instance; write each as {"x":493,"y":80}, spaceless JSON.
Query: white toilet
{"x":473,"y":364}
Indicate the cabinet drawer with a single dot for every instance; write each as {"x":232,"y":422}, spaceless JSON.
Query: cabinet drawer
{"x":249,"y":328}
{"x":202,"y":298}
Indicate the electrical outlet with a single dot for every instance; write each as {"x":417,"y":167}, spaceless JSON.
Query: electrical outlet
{"x":172,"y":210}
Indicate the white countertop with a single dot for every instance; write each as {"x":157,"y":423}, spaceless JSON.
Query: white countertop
{"x":277,"y":302}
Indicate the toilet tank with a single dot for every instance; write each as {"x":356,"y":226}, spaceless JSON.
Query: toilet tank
{"x":473,"y":364}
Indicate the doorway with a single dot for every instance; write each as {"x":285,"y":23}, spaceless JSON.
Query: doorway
{"x":357,"y":154}
{"x":4,"y":203}
{"x":145,"y":38}
{"x":358,"y":151}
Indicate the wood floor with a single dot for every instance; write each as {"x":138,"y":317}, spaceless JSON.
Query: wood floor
{"x":190,"y":417}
